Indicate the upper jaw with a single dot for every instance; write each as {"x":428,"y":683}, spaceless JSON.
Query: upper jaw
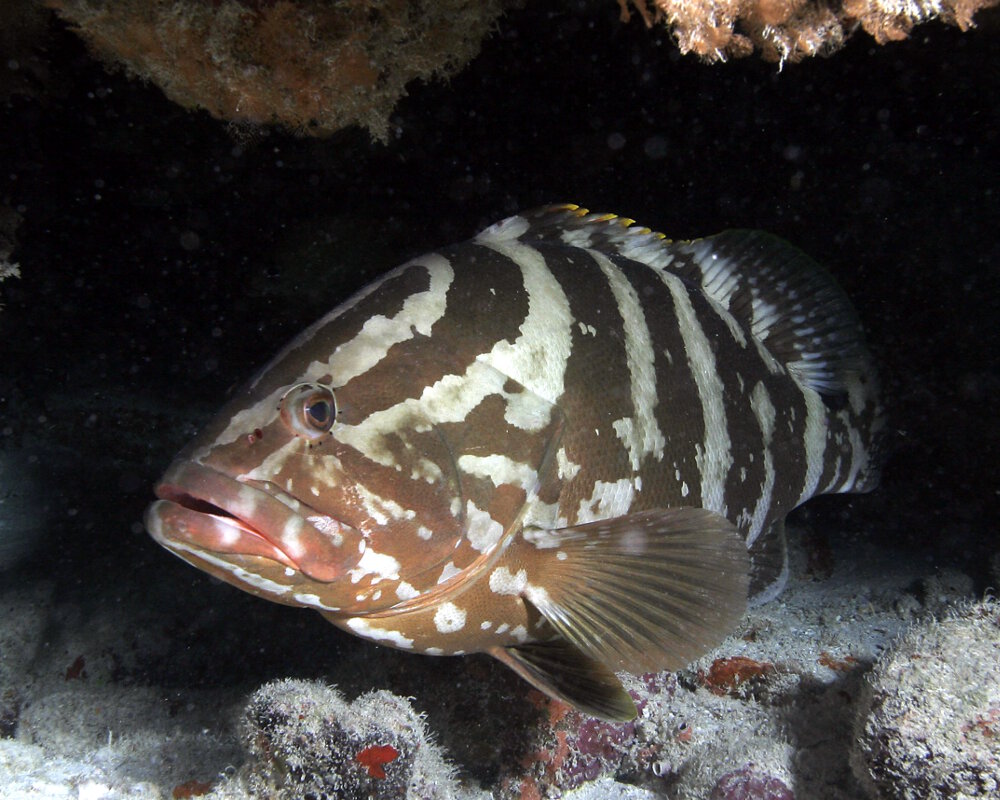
{"x":201,"y":508}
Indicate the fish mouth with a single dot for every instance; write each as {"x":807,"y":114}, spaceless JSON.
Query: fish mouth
{"x":201,"y":509}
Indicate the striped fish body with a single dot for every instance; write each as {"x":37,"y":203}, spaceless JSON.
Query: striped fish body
{"x":568,"y":442}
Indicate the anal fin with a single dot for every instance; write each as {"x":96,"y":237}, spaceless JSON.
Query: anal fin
{"x":560,"y":670}
{"x":768,"y":564}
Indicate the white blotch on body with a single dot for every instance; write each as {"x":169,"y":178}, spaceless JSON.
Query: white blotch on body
{"x":499,"y":469}
{"x":814,"y":441}
{"x":714,"y":456}
{"x":419,"y":313}
{"x":449,"y":618}
{"x":527,"y":411}
{"x":537,"y":358}
{"x":313,"y":601}
{"x":567,"y":469}
{"x":503,"y":581}
{"x":640,"y":434}
{"x":405,"y":591}
{"x":609,"y":499}
{"x":482,"y":531}
{"x":448,"y":572}
{"x":763,"y":409}
{"x":362,"y":627}
{"x":378,"y":564}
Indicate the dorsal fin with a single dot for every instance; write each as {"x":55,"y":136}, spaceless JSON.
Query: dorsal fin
{"x":571,"y":226}
{"x":790,"y":303}
{"x":787,"y":301}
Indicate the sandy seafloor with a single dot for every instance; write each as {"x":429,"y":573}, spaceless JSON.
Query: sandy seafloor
{"x":164,"y":257}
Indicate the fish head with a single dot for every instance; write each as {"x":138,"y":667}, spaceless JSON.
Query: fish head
{"x":356,"y":471}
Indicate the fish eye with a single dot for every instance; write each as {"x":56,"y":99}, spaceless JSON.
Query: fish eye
{"x":318,"y":412}
{"x":309,"y":410}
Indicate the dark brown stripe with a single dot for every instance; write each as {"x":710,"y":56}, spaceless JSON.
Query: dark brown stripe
{"x":788,"y":444}
{"x":291,"y":364}
{"x":597,"y":387}
{"x":475,"y":319}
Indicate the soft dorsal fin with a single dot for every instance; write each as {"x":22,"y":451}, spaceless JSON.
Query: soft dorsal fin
{"x":790,"y":303}
{"x":786,"y":300}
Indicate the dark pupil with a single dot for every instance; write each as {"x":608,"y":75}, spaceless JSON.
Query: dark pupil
{"x":318,"y":412}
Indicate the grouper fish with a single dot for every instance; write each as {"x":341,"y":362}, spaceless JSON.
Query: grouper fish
{"x":568,"y":442}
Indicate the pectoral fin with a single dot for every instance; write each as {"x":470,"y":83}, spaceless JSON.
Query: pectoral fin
{"x":641,"y":593}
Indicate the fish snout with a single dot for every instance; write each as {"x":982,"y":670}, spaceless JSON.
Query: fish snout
{"x":202,"y":509}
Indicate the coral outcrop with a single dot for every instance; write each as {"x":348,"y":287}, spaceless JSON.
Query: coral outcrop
{"x":315,"y":66}
{"x":306,"y":740}
{"x":929,"y":722}
{"x":789,"y":30}
{"x":309,"y":65}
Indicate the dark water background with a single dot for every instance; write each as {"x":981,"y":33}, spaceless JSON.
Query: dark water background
{"x":166,"y":257}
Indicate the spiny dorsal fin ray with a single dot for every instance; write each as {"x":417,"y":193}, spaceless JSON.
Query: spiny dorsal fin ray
{"x":641,"y":593}
{"x":571,"y":225}
{"x":786,"y":300}
{"x":560,"y":670}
